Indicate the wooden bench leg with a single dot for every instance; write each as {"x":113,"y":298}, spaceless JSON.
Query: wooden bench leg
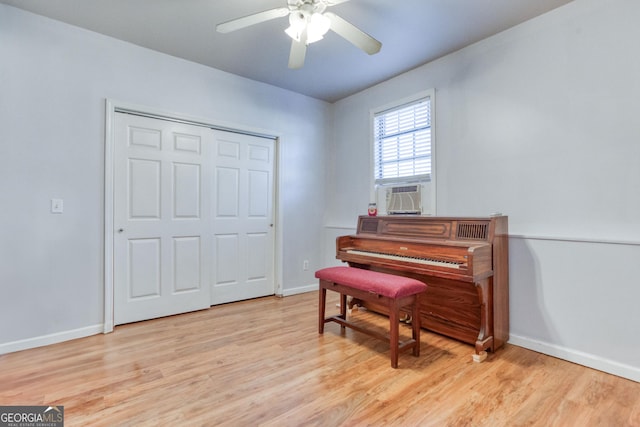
{"x":321,"y":307}
{"x":343,"y":308}
{"x":415,"y":326}
{"x":394,"y":332}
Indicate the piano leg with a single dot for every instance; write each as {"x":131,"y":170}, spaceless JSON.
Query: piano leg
{"x":355,"y":303}
{"x":485,"y":337}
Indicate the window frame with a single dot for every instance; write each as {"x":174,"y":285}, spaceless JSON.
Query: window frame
{"x":396,"y":105}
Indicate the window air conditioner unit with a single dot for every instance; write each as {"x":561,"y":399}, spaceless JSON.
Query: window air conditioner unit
{"x":404,"y":199}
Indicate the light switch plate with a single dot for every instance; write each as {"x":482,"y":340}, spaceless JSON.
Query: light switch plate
{"x":57,"y":206}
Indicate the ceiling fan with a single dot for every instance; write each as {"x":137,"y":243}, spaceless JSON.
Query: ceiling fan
{"x":308,"y":23}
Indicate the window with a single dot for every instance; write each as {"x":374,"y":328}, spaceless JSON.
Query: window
{"x":403,"y":142}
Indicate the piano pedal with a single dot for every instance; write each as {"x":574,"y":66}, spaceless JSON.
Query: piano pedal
{"x":406,"y":319}
{"x":350,"y":309}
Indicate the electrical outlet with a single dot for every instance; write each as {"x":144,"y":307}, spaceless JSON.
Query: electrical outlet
{"x":305,"y":264}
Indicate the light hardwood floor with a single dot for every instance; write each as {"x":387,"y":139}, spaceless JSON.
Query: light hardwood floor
{"x":262,"y":363}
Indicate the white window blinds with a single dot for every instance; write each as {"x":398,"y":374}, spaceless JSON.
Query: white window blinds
{"x":402,"y":142}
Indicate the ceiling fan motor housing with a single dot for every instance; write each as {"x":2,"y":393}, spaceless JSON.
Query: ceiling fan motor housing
{"x":307,"y":7}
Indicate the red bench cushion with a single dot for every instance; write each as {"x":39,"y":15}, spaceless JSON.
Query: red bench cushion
{"x":388,"y":285}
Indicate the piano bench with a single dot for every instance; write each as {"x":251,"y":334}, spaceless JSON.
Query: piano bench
{"x":389,"y":290}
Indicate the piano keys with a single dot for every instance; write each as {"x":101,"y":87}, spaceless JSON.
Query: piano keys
{"x":411,"y":259}
{"x":464,"y":262}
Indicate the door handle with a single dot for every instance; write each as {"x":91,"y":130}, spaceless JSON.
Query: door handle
{"x":120,"y":230}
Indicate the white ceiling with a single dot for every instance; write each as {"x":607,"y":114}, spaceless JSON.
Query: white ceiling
{"x":412,"y":32}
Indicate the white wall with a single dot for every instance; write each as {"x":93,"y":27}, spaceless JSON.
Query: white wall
{"x":541,"y":123}
{"x":54,"y":79}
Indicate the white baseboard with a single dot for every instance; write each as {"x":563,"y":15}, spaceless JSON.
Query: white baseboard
{"x":14,"y":346}
{"x":574,"y":356}
{"x":300,"y":290}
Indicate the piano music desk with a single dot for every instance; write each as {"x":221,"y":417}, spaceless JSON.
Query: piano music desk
{"x":390,"y":290}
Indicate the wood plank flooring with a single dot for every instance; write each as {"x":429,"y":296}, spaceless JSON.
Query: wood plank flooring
{"x":262,"y":363}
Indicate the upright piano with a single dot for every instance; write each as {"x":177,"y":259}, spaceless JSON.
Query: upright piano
{"x":464,"y":262}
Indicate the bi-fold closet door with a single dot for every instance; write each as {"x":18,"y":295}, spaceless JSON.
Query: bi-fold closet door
{"x":193,"y":216}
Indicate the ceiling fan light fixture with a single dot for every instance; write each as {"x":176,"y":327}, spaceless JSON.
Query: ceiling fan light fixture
{"x":297,"y":24}
{"x":317,"y":27}
{"x":293,"y":33}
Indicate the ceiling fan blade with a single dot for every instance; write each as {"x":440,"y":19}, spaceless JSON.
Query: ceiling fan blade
{"x":354,"y":35}
{"x":256,"y":18}
{"x":298,"y":52}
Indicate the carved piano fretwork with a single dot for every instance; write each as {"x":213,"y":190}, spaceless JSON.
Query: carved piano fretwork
{"x":464,"y":262}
